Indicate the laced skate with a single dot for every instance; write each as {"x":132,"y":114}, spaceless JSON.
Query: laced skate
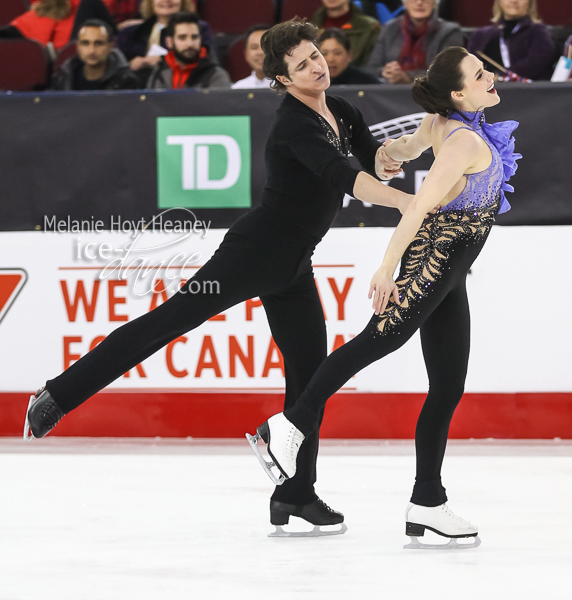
{"x":42,"y":415}
{"x":283,"y":440}
{"x":318,"y":513}
{"x":442,"y":521}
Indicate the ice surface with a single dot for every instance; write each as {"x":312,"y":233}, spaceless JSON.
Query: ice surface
{"x":158,"y":519}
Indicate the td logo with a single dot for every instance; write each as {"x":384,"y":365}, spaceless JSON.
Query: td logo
{"x":203,"y":162}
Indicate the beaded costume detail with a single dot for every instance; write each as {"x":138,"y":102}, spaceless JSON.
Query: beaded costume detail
{"x":469,"y":217}
{"x":342,"y":143}
{"x":427,"y":255}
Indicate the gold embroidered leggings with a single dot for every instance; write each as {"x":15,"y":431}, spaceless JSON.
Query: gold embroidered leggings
{"x":433,"y":299}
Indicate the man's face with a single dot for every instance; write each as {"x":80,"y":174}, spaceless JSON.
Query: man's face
{"x":307,"y":70}
{"x":186,"y":42}
{"x":253,"y":51}
{"x":93,"y":46}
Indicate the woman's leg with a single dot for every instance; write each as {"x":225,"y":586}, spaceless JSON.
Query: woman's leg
{"x":445,"y":339}
{"x":237,"y":275}
{"x":436,"y":262}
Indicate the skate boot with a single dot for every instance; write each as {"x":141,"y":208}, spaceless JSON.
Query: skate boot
{"x":283,"y":441}
{"x":42,"y":416}
{"x":318,"y":513}
{"x":441,"y":520}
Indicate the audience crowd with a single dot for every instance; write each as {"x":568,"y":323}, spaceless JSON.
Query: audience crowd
{"x":163,"y":44}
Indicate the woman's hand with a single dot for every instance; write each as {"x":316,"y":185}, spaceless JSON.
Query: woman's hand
{"x":381,"y":288}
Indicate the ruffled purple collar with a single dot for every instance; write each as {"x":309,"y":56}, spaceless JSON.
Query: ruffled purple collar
{"x":500,"y":136}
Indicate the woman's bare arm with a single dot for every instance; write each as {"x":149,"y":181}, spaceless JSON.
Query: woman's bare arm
{"x":410,"y":146}
{"x":457,"y":155}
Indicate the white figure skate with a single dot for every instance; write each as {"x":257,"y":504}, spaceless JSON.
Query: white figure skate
{"x":443,"y":521}
{"x":284,"y":441}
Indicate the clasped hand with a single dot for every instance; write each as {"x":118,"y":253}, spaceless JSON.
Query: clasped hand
{"x":386,"y":168}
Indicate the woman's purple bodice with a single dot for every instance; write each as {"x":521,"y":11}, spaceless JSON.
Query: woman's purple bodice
{"x":486,"y":187}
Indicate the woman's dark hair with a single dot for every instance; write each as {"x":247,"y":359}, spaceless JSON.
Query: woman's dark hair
{"x":279,"y":41}
{"x":333,"y":33}
{"x":432,"y":92}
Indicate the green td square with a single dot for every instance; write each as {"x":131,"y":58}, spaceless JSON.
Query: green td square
{"x":203,"y":162}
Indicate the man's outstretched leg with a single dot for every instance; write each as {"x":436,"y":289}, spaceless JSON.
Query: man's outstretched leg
{"x":239,"y":276}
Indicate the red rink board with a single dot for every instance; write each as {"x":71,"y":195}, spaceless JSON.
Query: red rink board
{"x":114,"y":413}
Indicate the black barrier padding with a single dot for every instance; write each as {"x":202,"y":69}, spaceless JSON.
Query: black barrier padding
{"x":92,"y":155}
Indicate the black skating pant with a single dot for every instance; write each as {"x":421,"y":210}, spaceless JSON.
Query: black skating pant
{"x":274,"y":267}
{"x":433,"y":299}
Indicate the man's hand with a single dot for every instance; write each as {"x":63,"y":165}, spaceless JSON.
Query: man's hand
{"x":386,"y":168}
{"x":394,"y":73}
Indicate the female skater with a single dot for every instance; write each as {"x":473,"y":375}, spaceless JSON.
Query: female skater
{"x":266,"y":253}
{"x":473,"y":161}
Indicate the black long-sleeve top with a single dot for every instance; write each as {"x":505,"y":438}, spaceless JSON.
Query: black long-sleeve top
{"x":307,"y":166}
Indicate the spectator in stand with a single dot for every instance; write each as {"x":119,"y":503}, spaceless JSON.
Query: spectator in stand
{"x":408,"y":44}
{"x":254,"y":56}
{"x":97,"y":65}
{"x":144,"y":44}
{"x":335,"y":47}
{"x":47,"y":21}
{"x":361,"y":30}
{"x":188,"y":63}
{"x":517,"y":40}
{"x":126,"y":13}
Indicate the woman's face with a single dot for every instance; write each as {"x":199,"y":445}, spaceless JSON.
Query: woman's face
{"x":165,"y":8}
{"x":479,"y":86}
{"x":307,"y":70}
{"x":419,"y":9}
{"x":337,"y":57}
{"x":514,"y":9}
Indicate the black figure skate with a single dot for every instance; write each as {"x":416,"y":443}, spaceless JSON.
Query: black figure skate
{"x":318,"y":513}
{"x":42,"y":415}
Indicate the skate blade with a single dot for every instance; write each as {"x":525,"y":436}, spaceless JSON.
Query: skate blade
{"x":452,"y":544}
{"x":28,"y":435}
{"x":278,"y":479}
{"x":316,"y":532}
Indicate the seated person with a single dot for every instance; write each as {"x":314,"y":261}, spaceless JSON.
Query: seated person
{"x":518,"y":40}
{"x":345,"y":15}
{"x":408,"y":44}
{"x":188,"y":63}
{"x":254,"y":56}
{"x":97,"y":65}
{"x":335,"y":47}
{"x":144,"y":44}
{"x":47,"y":21}
{"x":126,"y":13}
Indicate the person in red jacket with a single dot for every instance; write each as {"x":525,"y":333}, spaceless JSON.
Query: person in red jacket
{"x":50,"y":21}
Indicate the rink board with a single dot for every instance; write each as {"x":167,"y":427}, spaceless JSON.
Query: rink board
{"x":56,"y":302}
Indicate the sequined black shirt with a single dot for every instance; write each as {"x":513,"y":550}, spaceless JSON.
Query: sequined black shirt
{"x":307,"y":165}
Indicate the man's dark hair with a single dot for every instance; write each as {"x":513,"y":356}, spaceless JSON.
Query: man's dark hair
{"x":432,"y":92}
{"x":257,"y":27}
{"x":181,"y":17}
{"x":98,"y":23}
{"x":279,"y":41}
{"x":333,"y":33}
